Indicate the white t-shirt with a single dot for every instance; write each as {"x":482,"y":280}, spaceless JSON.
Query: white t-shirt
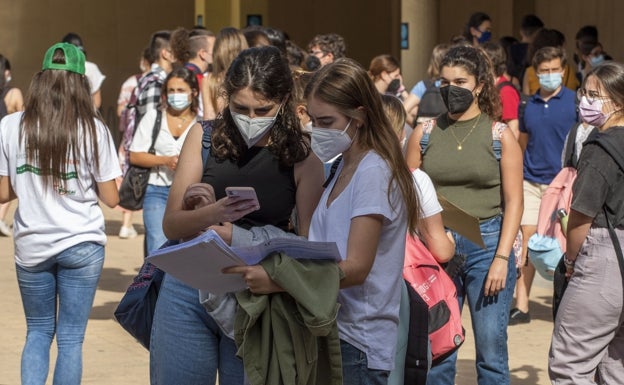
{"x":369,"y":313}
{"x":96,"y":78}
{"x":429,"y":204}
{"x":50,"y":221}
{"x":166,"y":145}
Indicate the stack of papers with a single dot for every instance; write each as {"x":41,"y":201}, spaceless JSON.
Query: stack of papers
{"x":199,"y":261}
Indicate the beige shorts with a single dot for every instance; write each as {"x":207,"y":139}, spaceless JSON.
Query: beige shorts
{"x":532,"y":197}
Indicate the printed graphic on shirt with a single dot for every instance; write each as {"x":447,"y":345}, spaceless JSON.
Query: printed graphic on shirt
{"x":61,"y":190}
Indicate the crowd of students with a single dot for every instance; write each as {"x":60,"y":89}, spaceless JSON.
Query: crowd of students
{"x":485,"y":132}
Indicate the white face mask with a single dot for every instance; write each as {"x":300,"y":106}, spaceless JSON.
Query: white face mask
{"x":327,"y":143}
{"x":253,"y":129}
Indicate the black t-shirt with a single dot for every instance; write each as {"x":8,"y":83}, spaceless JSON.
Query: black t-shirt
{"x":258,"y":168}
{"x":600,"y":181}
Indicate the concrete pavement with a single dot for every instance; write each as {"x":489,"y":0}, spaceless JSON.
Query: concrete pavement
{"x":111,"y":356}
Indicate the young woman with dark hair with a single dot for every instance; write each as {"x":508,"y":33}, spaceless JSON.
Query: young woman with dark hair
{"x":180,"y":96}
{"x":458,"y":152}
{"x":256,"y":142}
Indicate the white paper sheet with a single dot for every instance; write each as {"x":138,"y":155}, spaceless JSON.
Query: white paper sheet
{"x":199,"y":261}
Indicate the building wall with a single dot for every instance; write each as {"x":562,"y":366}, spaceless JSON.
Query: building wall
{"x":568,"y":16}
{"x":369,"y":28}
{"x":114,"y":33}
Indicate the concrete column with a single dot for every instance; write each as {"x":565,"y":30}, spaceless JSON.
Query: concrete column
{"x":422,"y":17}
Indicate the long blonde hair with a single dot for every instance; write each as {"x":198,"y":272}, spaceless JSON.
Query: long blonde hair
{"x":228,"y":44}
{"x":346,"y":85}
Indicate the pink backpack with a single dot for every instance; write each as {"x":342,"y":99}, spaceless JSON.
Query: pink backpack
{"x":548,"y":244}
{"x":437,"y":290}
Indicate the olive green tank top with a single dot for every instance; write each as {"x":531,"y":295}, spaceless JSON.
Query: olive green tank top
{"x":460,"y":161}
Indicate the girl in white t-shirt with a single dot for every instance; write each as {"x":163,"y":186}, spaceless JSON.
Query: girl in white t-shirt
{"x":57,"y":158}
{"x":181,"y":95}
{"x":366,"y":209}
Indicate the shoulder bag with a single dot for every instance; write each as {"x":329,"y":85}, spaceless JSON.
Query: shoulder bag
{"x":134,"y":183}
{"x":135,"y":311}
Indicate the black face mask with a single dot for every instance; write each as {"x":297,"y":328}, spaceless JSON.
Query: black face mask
{"x":456,"y":99}
{"x":393,"y":87}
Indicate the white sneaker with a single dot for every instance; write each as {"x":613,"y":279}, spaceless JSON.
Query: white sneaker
{"x":127,"y":232}
{"x":5,"y":229}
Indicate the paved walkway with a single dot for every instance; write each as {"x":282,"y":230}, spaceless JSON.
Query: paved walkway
{"x":112,"y":357}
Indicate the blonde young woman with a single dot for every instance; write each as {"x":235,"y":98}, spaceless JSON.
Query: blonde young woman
{"x":228,"y":44}
{"x":425,"y":91}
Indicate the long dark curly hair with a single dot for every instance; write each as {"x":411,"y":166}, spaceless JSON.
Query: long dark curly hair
{"x":477,"y":63}
{"x":264,"y":71}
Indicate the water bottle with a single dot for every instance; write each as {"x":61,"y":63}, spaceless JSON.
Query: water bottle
{"x":562,"y":214}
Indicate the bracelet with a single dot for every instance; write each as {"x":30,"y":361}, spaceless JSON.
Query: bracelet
{"x":568,"y":262}
{"x":506,"y":258}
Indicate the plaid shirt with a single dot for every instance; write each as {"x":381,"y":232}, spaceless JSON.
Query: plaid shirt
{"x":149,"y":91}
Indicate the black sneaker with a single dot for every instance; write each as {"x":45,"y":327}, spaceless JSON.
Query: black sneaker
{"x":517,"y":316}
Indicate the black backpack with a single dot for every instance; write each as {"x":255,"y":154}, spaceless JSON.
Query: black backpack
{"x":431,"y":104}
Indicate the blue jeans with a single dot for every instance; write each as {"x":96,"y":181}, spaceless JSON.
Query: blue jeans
{"x":187,"y":347}
{"x":355,"y":369}
{"x":489,"y":315}
{"x":153,"y":213}
{"x":70,"y":277}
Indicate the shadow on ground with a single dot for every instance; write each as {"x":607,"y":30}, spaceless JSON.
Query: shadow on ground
{"x":112,"y":279}
{"x":524,"y":375}
{"x":112,"y":227}
{"x":541,"y":310}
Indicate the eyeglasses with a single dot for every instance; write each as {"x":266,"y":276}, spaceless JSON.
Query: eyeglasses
{"x":317,"y":53}
{"x":591,"y":96}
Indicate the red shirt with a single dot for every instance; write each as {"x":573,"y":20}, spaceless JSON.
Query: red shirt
{"x":510,"y":100}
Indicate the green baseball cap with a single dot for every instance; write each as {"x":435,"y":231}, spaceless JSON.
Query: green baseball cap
{"x":74,"y":59}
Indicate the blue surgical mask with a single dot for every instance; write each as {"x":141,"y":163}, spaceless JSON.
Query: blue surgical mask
{"x":485,"y":37}
{"x":550,"y":81}
{"x":596,"y":60}
{"x":178,"y":101}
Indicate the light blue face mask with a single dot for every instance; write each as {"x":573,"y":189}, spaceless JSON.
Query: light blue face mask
{"x":596,"y":60}
{"x":178,"y":101}
{"x":551,"y":81}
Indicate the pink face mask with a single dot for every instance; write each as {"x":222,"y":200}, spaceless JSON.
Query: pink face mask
{"x":591,"y":113}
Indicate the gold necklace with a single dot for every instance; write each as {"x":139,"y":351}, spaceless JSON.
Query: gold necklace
{"x":181,"y":120}
{"x":460,"y":142}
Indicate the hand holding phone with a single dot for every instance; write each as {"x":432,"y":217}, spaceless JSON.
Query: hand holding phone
{"x":243,"y":194}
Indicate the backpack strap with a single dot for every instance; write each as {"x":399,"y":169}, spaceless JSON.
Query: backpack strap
{"x":427,"y":127}
{"x":497,"y":131}
{"x":206,"y":140}
{"x":332,"y":171}
{"x":155,"y":131}
{"x":570,"y":147}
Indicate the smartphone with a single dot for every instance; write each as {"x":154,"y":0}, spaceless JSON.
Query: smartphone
{"x":244,"y":193}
